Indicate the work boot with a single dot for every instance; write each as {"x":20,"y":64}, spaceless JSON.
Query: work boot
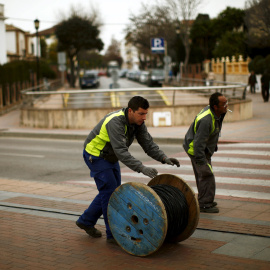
{"x":92,"y":231}
{"x":211,"y":209}
{"x":214,"y":204}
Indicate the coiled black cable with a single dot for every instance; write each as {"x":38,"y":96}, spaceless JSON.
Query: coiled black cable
{"x":176,"y":208}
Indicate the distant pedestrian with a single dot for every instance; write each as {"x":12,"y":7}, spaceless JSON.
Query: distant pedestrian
{"x":68,"y":77}
{"x":265,"y":85}
{"x":170,"y":76}
{"x":252,"y":82}
{"x":200,"y":143}
{"x":204,"y":77}
{"x":211,"y":77}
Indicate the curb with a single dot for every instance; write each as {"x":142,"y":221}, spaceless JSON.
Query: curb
{"x":43,"y":135}
{"x":76,"y":137}
{"x":82,"y":137}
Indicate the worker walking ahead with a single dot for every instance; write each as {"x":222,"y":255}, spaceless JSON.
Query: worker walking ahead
{"x":200,"y":144}
{"x":108,"y":143}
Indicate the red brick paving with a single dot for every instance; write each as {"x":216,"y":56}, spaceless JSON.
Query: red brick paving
{"x":35,"y":202}
{"x":31,"y":242}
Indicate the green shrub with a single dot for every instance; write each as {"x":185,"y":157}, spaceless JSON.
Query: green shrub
{"x":20,"y":70}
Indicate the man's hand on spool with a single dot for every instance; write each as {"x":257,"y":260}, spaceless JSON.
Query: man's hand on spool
{"x":148,"y":171}
{"x":172,"y":161}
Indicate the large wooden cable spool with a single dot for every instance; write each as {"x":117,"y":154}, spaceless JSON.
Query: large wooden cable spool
{"x":138,"y":218}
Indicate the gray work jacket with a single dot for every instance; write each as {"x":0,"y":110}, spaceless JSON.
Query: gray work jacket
{"x":202,"y":136}
{"x":113,"y":135}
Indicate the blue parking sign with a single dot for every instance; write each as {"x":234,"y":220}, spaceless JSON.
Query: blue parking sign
{"x":157,"y":45}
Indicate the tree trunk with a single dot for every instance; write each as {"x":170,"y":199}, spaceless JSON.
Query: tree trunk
{"x":72,"y":76}
{"x":187,"y":52}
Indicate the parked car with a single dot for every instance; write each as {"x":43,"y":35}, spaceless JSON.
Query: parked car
{"x":102,"y":73}
{"x":131,"y":74}
{"x":144,"y":77}
{"x":123,"y":73}
{"x":137,"y":76}
{"x":156,"y":77}
{"x":90,"y":79}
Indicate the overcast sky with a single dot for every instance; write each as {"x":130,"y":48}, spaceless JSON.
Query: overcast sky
{"x":113,"y":13}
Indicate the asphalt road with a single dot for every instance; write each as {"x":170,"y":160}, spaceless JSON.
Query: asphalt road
{"x":53,"y":160}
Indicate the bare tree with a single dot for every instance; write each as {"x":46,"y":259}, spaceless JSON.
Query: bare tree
{"x":184,"y":12}
{"x":113,"y":52}
{"x":153,"y":21}
{"x":257,"y":19}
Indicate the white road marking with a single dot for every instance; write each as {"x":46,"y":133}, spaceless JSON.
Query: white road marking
{"x":243,"y":194}
{"x":221,"y":180}
{"x":21,"y":155}
{"x":216,"y":169}
{"x":250,"y":161}
{"x":247,"y":145}
{"x":222,"y":192}
{"x":223,"y":149}
{"x":245,"y":152}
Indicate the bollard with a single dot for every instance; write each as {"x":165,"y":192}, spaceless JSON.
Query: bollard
{"x":138,"y":218}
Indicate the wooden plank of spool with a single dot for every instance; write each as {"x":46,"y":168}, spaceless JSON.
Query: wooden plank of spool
{"x":193,"y":205}
{"x":137,"y":218}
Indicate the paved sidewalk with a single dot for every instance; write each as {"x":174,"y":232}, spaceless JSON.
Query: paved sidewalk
{"x":37,"y":219}
{"x":38,"y":231}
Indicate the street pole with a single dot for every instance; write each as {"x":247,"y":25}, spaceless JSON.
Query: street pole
{"x":36,"y":22}
{"x":166,"y":62}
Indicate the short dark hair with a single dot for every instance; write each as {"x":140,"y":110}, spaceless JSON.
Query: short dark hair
{"x":138,"y":102}
{"x":213,"y":100}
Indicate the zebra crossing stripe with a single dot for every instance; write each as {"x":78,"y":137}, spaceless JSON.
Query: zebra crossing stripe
{"x":245,"y":152}
{"x":221,"y":180}
{"x":221,"y":192}
{"x":245,"y":145}
{"x":216,"y":169}
{"x":242,"y":194}
{"x":236,"y":160}
{"x":222,"y":156}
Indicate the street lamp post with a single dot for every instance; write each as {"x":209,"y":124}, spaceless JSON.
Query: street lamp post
{"x":178,"y":31}
{"x":36,"y":22}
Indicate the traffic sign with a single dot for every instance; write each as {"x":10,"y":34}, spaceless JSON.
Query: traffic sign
{"x":158,"y":45}
{"x":62,"y":68}
{"x":61,"y":57}
{"x":167,"y":59}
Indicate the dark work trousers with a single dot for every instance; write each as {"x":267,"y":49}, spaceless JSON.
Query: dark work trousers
{"x":107,"y":177}
{"x":205,"y":181}
{"x":265,"y":94}
{"x":252,"y":89}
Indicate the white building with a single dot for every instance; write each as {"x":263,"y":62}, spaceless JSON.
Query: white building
{"x":19,"y":44}
{"x":15,"y":44}
{"x":130,"y":56}
{"x":3,"y":53}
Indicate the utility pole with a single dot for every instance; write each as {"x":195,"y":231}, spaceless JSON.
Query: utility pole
{"x":36,"y":22}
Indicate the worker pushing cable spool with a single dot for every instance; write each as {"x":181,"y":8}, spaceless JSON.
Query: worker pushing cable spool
{"x":142,"y":216}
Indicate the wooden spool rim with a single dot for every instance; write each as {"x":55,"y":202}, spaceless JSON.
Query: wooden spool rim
{"x":193,"y":205}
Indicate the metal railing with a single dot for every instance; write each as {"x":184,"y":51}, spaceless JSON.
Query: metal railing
{"x":160,"y":96}
{"x":45,"y":86}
